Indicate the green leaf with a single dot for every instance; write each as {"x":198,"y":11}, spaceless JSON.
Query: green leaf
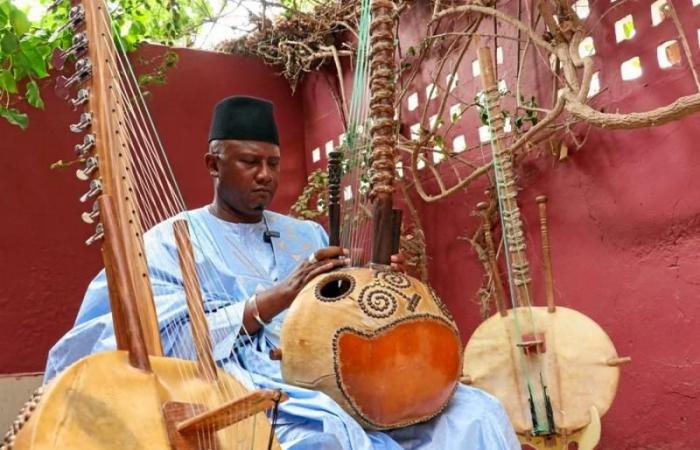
{"x":26,"y":46}
{"x":9,"y":43}
{"x":19,"y":21}
{"x":7,"y":82}
{"x":21,"y":70}
{"x":439,"y":141}
{"x":34,"y":96}
{"x":34,"y":59}
{"x":15,"y":117}
{"x":171,"y":59}
{"x":484,"y":116}
{"x":5,"y":10}
{"x":628,"y":29}
{"x":125,"y":29}
{"x":532,"y":117}
{"x":137,"y":28}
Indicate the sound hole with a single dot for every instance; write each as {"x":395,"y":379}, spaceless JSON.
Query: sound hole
{"x":334,"y":288}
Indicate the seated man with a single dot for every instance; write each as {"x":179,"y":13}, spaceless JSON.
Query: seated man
{"x":249,"y":280}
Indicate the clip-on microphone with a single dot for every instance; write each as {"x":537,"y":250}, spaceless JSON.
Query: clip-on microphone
{"x":269,"y":234}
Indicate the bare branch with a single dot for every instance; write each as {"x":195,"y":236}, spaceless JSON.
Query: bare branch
{"x":682,"y":107}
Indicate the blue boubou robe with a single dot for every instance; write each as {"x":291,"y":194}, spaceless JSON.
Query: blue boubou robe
{"x":234,"y":262}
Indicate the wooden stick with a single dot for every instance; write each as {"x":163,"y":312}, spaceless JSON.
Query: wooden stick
{"x":232,"y":412}
{"x":503,"y":162}
{"x":383,"y":132}
{"x":499,"y":290}
{"x":111,"y":149}
{"x":382,"y":230}
{"x":546,"y":254}
{"x":118,"y":321}
{"x":397,"y":217}
{"x":334,"y":175}
{"x":193,"y":294}
{"x":127,"y":326}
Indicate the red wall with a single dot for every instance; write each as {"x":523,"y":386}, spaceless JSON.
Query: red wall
{"x":624,"y":218}
{"x":624,"y":215}
{"x":44,"y":267}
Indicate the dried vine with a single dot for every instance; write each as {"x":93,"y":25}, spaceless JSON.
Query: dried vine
{"x":301,"y":42}
{"x":548,"y":34}
{"x":313,"y":201}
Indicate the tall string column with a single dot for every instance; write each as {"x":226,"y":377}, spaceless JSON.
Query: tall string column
{"x":382,"y":97}
{"x":507,"y":190}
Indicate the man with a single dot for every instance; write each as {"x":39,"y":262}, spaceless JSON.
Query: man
{"x":249,"y":279}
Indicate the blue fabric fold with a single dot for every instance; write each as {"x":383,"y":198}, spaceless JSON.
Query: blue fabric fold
{"x":234,"y":262}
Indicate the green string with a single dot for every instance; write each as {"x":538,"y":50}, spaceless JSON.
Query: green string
{"x":539,"y":426}
{"x":356,"y":145}
{"x":357,"y":103}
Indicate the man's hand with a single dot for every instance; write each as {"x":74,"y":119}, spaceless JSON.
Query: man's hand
{"x":322,"y":261}
{"x":273,"y":301}
{"x":398,"y":262}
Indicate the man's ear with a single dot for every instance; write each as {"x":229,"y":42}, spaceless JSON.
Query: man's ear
{"x":212,"y":163}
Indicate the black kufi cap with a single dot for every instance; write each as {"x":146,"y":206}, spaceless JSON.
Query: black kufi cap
{"x":244,"y":119}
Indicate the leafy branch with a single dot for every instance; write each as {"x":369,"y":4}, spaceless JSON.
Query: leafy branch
{"x":26,"y":46}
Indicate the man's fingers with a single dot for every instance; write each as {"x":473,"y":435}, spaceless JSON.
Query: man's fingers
{"x":330,"y":252}
{"x":398,"y":258}
{"x":398,"y":267}
{"x":326,"y":266}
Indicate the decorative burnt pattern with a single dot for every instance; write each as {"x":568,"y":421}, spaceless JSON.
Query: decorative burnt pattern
{"x":377,"y":302}
{"x":318,"y":292}
{"x":377,"y":332}
{"x":440,"y":304}
{"x":413,"y":302}
{"x":395,"y":279}
{"x":394,"y":290}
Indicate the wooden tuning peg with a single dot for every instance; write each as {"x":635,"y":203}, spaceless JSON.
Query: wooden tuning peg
{"x":88,"y":143}
{"x":619,"y":360}
{"x":80,"y":98}
{"x":85,"y":121}
{"x":99,"y":234}
{"x":89,"y":217}
{"x":78,"y":48}
{"x":90,"y":166}
{"x":95,"y":188}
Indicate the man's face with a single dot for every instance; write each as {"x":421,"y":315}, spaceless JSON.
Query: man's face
{"x":246,"y":174}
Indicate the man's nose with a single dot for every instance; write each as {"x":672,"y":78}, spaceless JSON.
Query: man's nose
{"x":265,"y":173}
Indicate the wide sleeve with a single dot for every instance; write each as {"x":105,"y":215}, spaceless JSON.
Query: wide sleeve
{"x":94,"y":332}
